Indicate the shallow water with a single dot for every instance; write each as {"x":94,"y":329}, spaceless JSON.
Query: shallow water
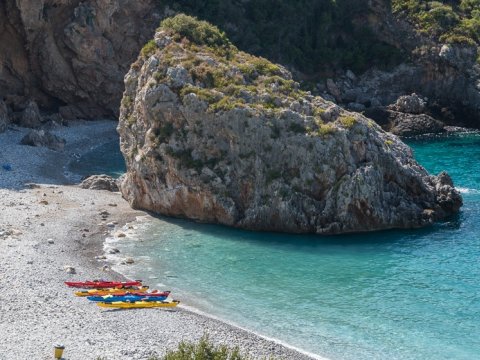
{"x":395,"y":294}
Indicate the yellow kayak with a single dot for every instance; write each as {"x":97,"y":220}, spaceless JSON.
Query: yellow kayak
{"x":110,"y":291}
{"x":139,"y":304}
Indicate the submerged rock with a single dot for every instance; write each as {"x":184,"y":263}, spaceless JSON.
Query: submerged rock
{"x":236,"y":142}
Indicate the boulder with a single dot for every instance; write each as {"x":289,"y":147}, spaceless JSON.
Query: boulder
{"x":43,"y":138}
{"x":30,"y":116}
{"x":402,"y":124}
{"x":4,"y":119}
{"x":69,"y":269}
{"x":410,"y":104}
{"x":284,"y":161}
{"x":450,"y":202}
{"x":53,"y":121}
{"x":100,"y":182}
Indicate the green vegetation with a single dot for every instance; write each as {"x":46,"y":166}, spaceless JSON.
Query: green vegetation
{"x":229,"y":78}
{"x":227,"y":103}
{"x":348,"y":121}
{"x":325,"y":130}
{"x":127,"y":101}
{"x":198,"y":32}
{"x":265,"y":67}
{"x":207,"y":95}
{"x":203,"y":350}
{"x":131,"y":120}
{"x":149,"y":48}
{"x":450,"y":21}
{"x":313,"y":35}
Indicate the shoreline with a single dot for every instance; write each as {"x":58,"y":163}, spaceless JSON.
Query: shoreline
{"x":46,"y":227}
{"x":112,"y":260}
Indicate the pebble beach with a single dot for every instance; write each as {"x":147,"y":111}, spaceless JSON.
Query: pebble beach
{"x":49,"y":225}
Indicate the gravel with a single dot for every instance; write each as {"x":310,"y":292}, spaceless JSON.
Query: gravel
{"x":47,"y":228}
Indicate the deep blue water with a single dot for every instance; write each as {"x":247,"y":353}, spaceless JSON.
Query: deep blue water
{"x":396,"y":294}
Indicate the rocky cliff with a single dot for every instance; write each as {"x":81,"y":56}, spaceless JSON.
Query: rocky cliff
{"x":217,"y":135}
{"x":71,"y":55}
{"x":437,"y":63}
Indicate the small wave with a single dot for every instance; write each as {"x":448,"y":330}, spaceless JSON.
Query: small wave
{"x":464,"y":190}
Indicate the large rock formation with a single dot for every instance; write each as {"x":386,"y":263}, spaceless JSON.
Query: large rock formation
{"x":216,"y":135}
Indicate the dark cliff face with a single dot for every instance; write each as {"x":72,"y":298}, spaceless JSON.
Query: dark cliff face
{"x":72,"y":55}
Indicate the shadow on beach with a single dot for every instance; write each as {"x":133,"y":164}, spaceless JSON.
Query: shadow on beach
{"x":23,"y":165}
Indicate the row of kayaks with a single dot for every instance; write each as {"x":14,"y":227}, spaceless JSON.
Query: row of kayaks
{"x":123,"y":295}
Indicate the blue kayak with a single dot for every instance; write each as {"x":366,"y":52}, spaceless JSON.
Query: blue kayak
{"x":129,"y":298}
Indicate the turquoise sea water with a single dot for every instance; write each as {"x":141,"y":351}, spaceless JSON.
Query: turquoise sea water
{"x":388,"y":295}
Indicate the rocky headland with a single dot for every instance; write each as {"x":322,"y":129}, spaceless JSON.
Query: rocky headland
{"x":217,"y":135}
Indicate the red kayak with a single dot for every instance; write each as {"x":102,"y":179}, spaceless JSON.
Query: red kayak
{"x":101,"y":284}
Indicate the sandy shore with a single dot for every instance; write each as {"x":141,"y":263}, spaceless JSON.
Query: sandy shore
{"x":46,"y":227}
